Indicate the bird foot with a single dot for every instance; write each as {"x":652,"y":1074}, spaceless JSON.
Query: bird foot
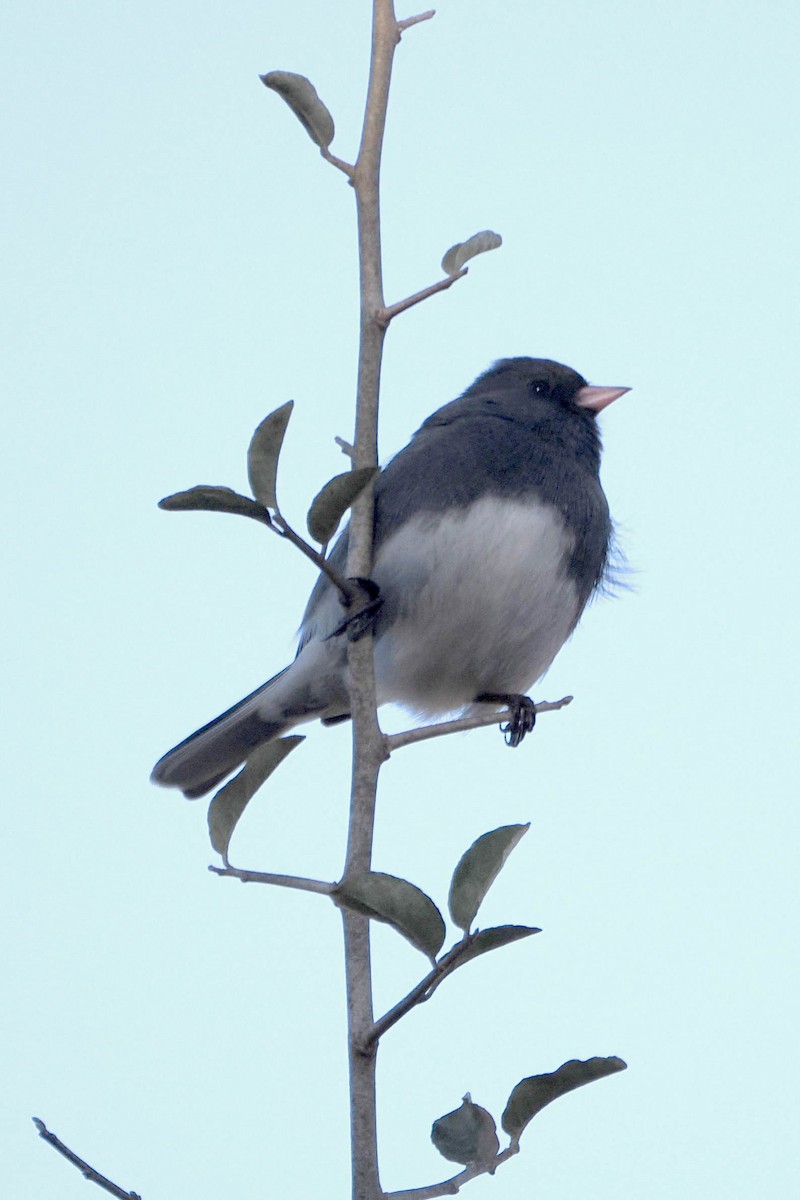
{"x":523,"y":714}
{"x":365,"y":597}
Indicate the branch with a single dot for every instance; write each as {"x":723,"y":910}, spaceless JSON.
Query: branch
{"x":222,"y":499}
{"x":409,"y":21}
{"x":286,"y":881}
{"x":354,"y":596}
{"x":368,"y":747}
{"x":84,"y":1168}
{"x":345,"y":167}
{"x":422,"y":992}
{"x":395,"y":741}
{"x":284,"y":529}
{"x":449,"y":1187}
{"x":394,"y":309}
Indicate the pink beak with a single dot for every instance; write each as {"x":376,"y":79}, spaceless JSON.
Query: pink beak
{"x":598,"y":398}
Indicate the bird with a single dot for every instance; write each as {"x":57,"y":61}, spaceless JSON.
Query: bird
{"x":491,"y":534}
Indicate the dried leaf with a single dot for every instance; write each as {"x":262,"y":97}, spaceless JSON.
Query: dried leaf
{"x":477,"y":871}
{"x":231,"y":800}
{"x":332,"y":502}
{"x":207,"y":498}
{"x":263,"y":453}
{"x":466,"y":1135}
{"x":462,"y":252}
{"x":301,"y":96}
{"x":398,"y":903}
{"x":531,"y":1095}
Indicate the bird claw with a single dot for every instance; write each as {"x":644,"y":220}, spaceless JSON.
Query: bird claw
{"x":522,"y":718}
{"x":367,"y":597}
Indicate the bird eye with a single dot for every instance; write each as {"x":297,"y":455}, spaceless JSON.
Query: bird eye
{"x":541,"y":388}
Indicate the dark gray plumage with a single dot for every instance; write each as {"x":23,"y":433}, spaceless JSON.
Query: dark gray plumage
{"x":491,"y":533}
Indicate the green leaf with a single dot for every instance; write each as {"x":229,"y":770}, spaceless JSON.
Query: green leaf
{"x":332,"y":502}
{"x":206,"y":498}
{"x":462,"y":252}
{"x":466,"y":1135}
{"x":263,"y":454}
{"x":231,"y":800}
{"x":492,"y":939}
{"x":301,"y":96}
{"x":531,"y":1095}
{"x":477,"y":871}
{"x":398,"y":903}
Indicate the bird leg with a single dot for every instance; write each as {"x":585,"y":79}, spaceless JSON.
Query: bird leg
{"x":364,"y":597}
{"x":522,"y":718}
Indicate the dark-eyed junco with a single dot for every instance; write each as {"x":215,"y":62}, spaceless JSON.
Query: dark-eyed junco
{"x":491,"y":533}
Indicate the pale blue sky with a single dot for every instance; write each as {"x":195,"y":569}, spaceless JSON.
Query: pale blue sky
{"x":178,"y":262}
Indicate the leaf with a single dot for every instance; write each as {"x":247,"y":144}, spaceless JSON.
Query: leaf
{"x":207,"y":498}
{"x":301,"y":96}
{"x":531,"y":1095}
{"x":462,"y":252}
{"x":398,"y":903}
{"x":466,"y":1135}
{"x":477,"y":870}
{"x":492,"y":939}
{"x":263,"y":452}
{"x":332,"y":502}
{"x":231,"y":800}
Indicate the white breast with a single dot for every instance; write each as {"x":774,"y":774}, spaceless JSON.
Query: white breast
{"x":474,"y":601}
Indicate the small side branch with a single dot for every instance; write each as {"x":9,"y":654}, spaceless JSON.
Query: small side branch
{"x":395,"y":741}
{"x":393,"y":310}
{"x":409,"y":21}
{"x":345,"y":167}
{"x":88,"y":1172}
{"x":338,"y":580}
{"x":220,"y":499}
{"x":449,"y":1187}
{"x":360,"y":597}
{"x":286,"y":881}
{"x":422,"y":992}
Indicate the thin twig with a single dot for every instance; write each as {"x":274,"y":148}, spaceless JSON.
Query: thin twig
{"x":338,"y":580}
{"x":345,"y":167}
{"x":345,"y":447}
{"x":395,"y":741}
{"x":286,"y":881}
{"x":244,"y":506}
{"x":393,"y":310}
{"x":423,"y":991}
{"x":84,"y":1168}
{"x":449,"y":1187}
{"x":355,"y":597}
{"x":409,"y":21}
{"x":358,"y":599}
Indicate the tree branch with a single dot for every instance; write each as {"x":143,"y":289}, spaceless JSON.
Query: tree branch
{"x":409,"y":21}
{"x":84,"y":1168}
{"x":339,"y":163}
{"x":394,"y":310}
{"x":396,"y":741}
{"x":368,"y":747}
{"x":221,"y":499}
{"x":423,"y":991}
{"x":449,"y":1187}
{"x":285,"y":881}
{"x":284,"y":529}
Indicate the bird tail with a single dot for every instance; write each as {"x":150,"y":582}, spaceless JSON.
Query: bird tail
{"x":202,"y":760}
{"x":299,"y":693}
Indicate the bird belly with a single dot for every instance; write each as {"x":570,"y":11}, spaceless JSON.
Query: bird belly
{"x":474,"y":601}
